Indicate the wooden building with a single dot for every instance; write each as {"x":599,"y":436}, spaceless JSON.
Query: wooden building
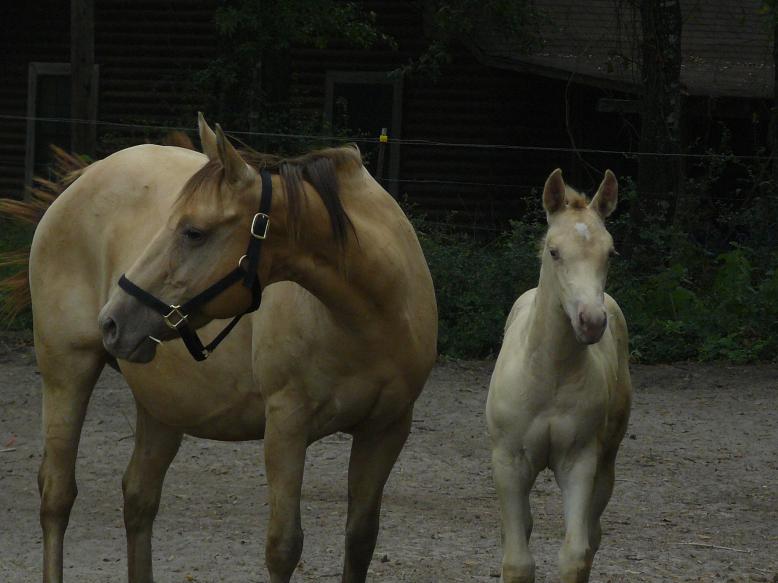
{"x":576,"y":95}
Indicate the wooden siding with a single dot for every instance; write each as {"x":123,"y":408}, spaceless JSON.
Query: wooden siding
{"x":147,"y":51}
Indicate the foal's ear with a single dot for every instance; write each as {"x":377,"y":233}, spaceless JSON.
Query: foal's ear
{"x":236,"y":171}
{"x":604,"y":202}
{"x":554,"y":193}
{"x":207,"y":138}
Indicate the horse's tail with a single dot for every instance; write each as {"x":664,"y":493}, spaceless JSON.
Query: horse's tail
{"x":15,"y":288}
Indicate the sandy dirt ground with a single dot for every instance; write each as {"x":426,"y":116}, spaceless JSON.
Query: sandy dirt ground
{"x":696,"y":497}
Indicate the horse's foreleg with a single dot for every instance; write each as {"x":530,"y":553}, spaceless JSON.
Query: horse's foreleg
{"x":286,"y":439}
{"x":576,"y":477}
{"x":514,"y":475}
{"x":372,"y":457}
{"x":68,"y":379}
{"x":155,"y":447}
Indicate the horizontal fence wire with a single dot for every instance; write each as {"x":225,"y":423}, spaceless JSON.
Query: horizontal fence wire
{"x":402,"y":141}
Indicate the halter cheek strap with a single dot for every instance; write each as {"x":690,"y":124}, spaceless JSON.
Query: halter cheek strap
{"x":177,"y":316}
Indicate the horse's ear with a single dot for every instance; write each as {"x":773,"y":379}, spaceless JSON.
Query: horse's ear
{"x":236,"y":171}
{"x":207,"y":138}
{"x":604,"y":202}
{"x":554,"y":193}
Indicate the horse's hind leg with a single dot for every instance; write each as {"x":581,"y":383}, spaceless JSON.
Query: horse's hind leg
{"x":372,"y":457}
{"x":68,"y":375}
{"x":155,"y":447}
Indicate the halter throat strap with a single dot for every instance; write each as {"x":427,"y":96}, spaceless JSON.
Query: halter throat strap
{"x":177,"y":316}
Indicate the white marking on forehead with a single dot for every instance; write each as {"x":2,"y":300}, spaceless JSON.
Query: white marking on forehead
{"x":583,"y":230}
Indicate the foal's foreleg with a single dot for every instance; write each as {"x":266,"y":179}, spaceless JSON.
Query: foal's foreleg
{"x":68,"y":379}
{"x":603,"y":488}
{"x":514,"y":475}
{"x":155,"y":447}
{"x":576,"y":476}
{"x":372,"y":457}
{"x":286,"y":440}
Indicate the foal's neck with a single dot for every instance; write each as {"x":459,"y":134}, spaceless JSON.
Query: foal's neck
{"x":550,"y":330}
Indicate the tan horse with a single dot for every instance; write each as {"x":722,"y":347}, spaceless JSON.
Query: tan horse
{"x":344,"y":340}
{"x":560,"y":392}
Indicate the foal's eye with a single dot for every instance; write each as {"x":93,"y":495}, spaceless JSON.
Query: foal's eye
{"x":193,"y":234}
{"x":554,"y":253}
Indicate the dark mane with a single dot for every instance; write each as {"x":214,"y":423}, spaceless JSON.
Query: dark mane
{"x":318,"y":168}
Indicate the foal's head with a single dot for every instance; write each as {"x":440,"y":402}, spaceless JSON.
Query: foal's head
{"x":577,"y":249}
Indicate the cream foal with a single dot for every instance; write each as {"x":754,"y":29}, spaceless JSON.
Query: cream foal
{"x":560,"y":393}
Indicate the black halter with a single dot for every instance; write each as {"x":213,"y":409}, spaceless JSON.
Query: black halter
{"x":177,"y":317}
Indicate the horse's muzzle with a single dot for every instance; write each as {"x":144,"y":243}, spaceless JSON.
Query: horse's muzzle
{"x":124,"y":342}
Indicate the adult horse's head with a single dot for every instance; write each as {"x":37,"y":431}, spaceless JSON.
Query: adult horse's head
{"x":577,"y":249}
{"x":202,"y":242}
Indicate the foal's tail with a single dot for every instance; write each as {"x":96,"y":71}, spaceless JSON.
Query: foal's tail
{"x":15,"y":288}
{"x":66,"y":167}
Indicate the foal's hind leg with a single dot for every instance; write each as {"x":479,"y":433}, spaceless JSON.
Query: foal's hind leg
{"x":155,"y":447}
{"x":372,"y":457}
{"x":68,"y":375}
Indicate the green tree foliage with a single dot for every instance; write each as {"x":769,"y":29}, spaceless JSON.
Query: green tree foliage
{"x":461,"y":22}
{"x":245,"y":84}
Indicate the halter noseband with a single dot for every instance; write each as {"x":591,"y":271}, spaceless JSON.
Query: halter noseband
{"x":177,"y":316}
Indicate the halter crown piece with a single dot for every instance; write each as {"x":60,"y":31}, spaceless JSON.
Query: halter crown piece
{"x":177,"y":316}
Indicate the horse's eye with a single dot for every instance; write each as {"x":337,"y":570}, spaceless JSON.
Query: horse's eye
{"x":193,"y":234}
{"x":554,"y":253}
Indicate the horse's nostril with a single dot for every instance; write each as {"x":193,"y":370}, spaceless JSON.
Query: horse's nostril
{"x":109,"y":329}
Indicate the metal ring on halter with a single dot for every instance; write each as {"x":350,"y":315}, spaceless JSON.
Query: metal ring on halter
{"x":240,"y":261}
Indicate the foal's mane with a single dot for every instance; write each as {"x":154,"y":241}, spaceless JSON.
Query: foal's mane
{"x":319,"y":168}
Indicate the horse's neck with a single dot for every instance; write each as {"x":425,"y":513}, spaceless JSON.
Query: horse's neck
{"x":346,"y":279}
{"x":550,"y":331}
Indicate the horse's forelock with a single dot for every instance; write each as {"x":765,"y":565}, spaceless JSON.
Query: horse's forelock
{"x":207,"y":179}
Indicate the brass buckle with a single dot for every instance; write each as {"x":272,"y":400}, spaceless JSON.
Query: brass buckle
{"x":175,"y":312}
{"x":263,"y":234}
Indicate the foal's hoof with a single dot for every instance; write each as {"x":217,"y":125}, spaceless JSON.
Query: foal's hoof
{"x":524,"y":573}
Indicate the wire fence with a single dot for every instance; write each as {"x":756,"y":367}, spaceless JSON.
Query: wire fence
{"x":10,"y":163}
{"x":402,"y":141}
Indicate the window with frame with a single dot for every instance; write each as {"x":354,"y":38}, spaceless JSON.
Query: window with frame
{"x":48,"y":96}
